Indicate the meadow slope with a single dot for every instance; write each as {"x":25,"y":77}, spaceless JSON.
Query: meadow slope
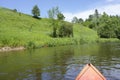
{"x":18,"y":29}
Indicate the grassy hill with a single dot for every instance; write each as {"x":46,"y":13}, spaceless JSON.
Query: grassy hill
{"x":17,"y":29}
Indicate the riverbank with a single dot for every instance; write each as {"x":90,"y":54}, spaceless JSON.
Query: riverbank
{"x":24,"y":30}
{"x":6,"y":49}
{"x":103,"y":40}
{"x":58,"y":42}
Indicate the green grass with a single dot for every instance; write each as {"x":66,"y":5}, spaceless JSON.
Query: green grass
{"x":84,"y":35}
{"x":102,"y":40}
{"x":24,"y":30}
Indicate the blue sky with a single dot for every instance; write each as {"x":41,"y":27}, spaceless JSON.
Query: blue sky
{"x":70,"y":8}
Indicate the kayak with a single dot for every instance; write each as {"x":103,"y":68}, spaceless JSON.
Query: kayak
{"x":89,"y":72}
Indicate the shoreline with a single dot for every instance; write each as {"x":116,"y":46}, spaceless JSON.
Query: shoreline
{"x":6,"y":49}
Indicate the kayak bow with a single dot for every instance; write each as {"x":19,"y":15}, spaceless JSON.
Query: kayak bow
{"x":89,"y":72}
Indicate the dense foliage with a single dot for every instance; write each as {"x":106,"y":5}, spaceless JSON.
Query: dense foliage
{"x":65,"y":29}
{"x":107,"y":26}
{"x":61,"y":29}
{"x":60,"y":16}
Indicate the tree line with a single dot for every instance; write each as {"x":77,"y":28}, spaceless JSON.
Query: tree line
{"x":107,"y":26}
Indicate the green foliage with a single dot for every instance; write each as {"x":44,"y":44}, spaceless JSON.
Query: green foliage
{"x":31,"y":45}
{"x":36,"y":11}
{"x":54,"y":31}
{"x":54,"y":25}
{"x":61,"y":29}
{"x":105,"y":25}
{"x":93,"y":20}
{"x":102,"y":40}
{"x":80,"y":20}
{"x":85,"y":35}
{"x":16,"y":30}
{"x":60,"y":16}
{"x":109,"y":26}
{"x":96,"y":14}
{"x":106,"y":30}
{"x":66,"y":29}
{"x":117,"y":32}
{"x":52,"y":13}
{"x":14,"y":10}
{"x":76,"y":20}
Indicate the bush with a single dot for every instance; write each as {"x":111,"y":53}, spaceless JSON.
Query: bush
{"x":66,"y":29}
{"x":31,"y":45}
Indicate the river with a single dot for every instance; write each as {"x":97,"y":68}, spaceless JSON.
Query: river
{"x":60,"y":63}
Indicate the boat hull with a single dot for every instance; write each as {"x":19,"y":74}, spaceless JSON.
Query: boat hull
{"x":89,"y":72}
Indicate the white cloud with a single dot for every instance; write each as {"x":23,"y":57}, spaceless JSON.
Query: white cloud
{"x":113,"y":9}
{"x":83,"y":15}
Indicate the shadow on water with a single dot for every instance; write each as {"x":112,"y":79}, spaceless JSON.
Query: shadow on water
{"x":60,"y":63}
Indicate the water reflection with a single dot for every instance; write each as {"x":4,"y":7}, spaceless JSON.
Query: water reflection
{"x":60,"y":63}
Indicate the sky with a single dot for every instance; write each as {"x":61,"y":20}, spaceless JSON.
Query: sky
{"x":70,"y":8}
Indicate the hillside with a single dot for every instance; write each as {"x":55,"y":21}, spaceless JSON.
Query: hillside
{"x":18,"y":29}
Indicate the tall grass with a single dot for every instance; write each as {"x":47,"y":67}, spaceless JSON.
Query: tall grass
{"x":24,"y":30}
{"x":104,"y":40}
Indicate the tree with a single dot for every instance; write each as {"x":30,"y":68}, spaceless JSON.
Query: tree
{"x":14,"y":10}
{"x":80,"y":20}
{"x":54,"y":25}
{"x":36,"y":11}
{"x":96,"y":13}
{"x":107,"y":26}
{"x":52,"y":13}
{"x":75,"y":20}
{"x":94,"y":20}
{"x":60,"y":16}
{"x":90,"y":17}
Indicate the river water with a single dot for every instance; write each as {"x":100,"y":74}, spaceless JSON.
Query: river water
{"x":60,"y":63}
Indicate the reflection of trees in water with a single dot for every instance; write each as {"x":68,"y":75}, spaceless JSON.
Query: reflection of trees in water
{"x":61,"y":56}
{"x":57,"y":63}
{"x":106,"y":54}
{"x":54,"y":68}
{"x":107,"y":58}
{"x":38,"y":74}
{"x":60,"y":59}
